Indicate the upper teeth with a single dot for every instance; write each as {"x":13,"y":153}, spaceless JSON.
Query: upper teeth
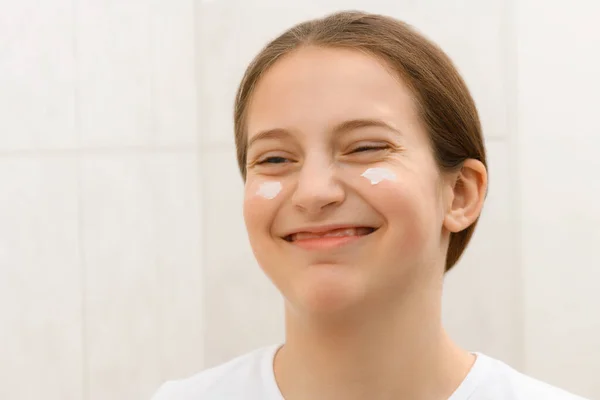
{"x":333,"y":233}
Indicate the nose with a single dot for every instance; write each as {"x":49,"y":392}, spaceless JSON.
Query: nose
{"x":317,"y":189}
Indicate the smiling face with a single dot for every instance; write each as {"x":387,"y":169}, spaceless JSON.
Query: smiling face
{"x":344,"y":203}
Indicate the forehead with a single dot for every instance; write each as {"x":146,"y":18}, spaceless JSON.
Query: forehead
{"x":314,"y":87}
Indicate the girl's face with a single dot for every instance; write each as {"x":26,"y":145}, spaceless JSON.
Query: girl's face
{"x":344,"y":203}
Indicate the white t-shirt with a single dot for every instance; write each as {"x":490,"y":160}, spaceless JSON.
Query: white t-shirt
{"x":251,"y":377}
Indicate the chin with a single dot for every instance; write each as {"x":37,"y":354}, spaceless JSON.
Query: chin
{"x":327,"y":292}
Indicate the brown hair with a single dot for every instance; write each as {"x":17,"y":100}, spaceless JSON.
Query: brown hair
{"x":443,"y":99}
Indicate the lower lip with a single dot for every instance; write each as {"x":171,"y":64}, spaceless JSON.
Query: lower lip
{"x":326,"y":243}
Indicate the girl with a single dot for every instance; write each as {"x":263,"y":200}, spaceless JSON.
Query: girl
{"x":365,"y":174}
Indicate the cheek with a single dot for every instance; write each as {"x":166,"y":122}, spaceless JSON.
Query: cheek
{"x":412,"y":228}
{"x":406,"y":201}
{"x":396,"y":201}
{"x":261,"y":200}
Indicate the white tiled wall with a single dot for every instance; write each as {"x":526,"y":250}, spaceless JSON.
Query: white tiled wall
{"x":37,"y":83}
{"x":140,"y":230}
{"x":124,"y":259}
{"x":132,"y":87}
{"x":41,"y":347}
{"x":101,"y":290}
{"x":559,"y":167}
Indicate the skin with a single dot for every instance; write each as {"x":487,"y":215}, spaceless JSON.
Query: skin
{"x":363,"y":320}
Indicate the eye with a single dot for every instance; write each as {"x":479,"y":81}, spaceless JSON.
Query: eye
{"x":273,"y":160}
{"x":366,"y":148}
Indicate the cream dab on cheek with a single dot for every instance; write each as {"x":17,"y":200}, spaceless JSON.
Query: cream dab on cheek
{"x":377,"y":175}
{"x":269,"y":190}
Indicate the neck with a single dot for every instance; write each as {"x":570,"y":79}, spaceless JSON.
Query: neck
{"x":398,"y":353}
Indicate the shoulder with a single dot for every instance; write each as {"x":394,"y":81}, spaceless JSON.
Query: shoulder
{"x":508,"y":383}
{"x":229,"y":378}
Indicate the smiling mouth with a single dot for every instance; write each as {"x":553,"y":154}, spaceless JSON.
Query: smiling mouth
{"x":334,"y":233}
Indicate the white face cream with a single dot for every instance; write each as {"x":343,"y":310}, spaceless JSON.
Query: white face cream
{"x":269,"y":190}
{"x":376,"y":175}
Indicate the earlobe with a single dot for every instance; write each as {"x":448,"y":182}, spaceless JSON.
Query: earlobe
{"x":468,"y":192}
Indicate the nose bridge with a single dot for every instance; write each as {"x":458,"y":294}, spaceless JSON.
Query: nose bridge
{"x":317,"y":184}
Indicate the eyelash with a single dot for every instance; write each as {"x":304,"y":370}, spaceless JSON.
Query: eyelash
{"x":362,"y":149}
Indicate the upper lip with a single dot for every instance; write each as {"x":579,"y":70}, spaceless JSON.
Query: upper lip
{"x":325,"y":228}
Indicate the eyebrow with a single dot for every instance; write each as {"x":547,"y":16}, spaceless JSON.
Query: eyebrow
{"x":346,"y":126}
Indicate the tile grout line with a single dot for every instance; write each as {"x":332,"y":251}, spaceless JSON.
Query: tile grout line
{"x":512,"y":139}
{"x":201,"y":182}
{"x":85,"y":385}
{"x":83,"y":282}
{"x":203,"y":256}
{"x":159,"y":318}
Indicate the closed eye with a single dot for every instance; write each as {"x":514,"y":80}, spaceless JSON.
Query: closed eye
{"x":273,"y":160}
{"x":362,"y":149}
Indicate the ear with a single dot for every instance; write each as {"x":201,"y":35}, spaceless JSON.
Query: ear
{"x":469,"y":187}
